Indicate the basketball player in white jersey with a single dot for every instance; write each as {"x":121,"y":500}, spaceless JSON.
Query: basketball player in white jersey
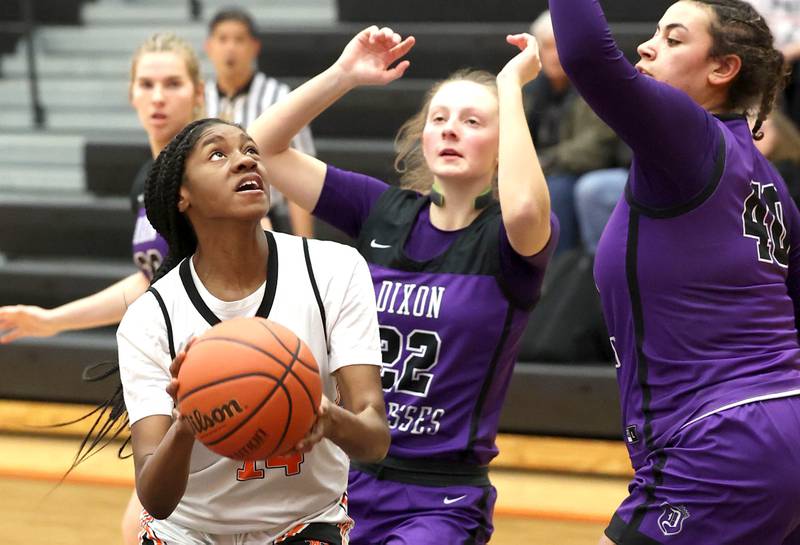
{"x":206,"y":194}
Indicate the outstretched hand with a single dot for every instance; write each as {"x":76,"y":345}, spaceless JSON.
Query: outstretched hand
{"x":525,"y":65}
{"x":18,"y":321}
{"x":367,"y":59}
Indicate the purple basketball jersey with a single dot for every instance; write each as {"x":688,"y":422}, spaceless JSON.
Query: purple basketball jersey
{"x":149,"y":248}
{"x":451,"y":317}
{"x":696,"y":302}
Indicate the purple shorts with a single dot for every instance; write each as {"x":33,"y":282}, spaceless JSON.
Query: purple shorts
{"x":732,"y":478}
{"x":393,"y":513}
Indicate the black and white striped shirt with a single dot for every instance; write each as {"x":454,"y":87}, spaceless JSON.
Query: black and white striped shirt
{"x":244,"y":107}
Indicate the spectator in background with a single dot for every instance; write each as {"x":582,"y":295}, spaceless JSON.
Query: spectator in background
{"x":239,"y":93}
{"x":781,"y":145}
{"x":570,"y":139}
{"x":783,"y":18}
{"x":596,"y":195}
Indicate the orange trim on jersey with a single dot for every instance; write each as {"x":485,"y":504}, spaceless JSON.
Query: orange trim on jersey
{"x":347,"y":525}
{"x":146,"y":531}
{"x":293,"y":532}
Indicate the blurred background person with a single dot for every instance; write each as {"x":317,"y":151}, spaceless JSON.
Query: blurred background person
{"x":783,"y":18}
{"x":781,"y":145}
{"x":238,"y":92}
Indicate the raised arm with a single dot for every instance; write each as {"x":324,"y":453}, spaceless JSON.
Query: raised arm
{"x":663,"y":125}
{"x":524,"y":199}
{"x":105,"y":307}
{"x":366,"y":60}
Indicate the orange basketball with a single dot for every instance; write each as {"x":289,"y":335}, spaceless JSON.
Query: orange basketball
{"x":250,"y":388}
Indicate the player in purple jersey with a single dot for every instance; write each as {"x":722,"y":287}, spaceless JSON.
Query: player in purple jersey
{"x":699,"y":274}
{"x":455,"y":273}
{"x":167,"y":93}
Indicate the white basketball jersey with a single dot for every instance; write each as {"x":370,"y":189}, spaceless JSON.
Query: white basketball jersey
{"x":225,"y":496}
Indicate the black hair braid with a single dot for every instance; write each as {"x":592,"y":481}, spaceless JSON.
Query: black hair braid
{"x":740,"y":30}
{"x":161,"y":202}
{"x":161,"y":194}
{"x":110,"y":421}
{"x":780,"y":74}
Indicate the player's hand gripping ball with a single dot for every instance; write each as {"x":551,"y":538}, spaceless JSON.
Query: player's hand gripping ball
{"x":249,"y":388}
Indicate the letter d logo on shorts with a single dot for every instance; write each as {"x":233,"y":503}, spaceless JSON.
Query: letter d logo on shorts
{"x":671,"y":520}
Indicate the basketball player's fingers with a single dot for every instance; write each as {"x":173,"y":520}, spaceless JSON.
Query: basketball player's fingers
{"x":172,"y":388}
{"x":9,"y":315}
{"x":10,"y":335}
{"x":524,"y":42}
{"x":395,"y":72}
{"x":175,"y":366}
{"x":324,"y":406}
{"x":400,"y":50}
{"x":388,"y":35}
{"x":532,"y":45}
{"x":369,"y":33}
{"x":314,"y":436}
{"x":515,"y":39}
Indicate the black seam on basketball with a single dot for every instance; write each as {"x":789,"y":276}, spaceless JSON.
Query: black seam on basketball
{"x":278,"y":384}
{"x":295,"y":359}
{"x":288,"y":350}
{"x":226,"y":379}
{"x":303,"y":384}
{"x":295,"y":353}
{"x":286,"y":423}
{"x":244,"y":343}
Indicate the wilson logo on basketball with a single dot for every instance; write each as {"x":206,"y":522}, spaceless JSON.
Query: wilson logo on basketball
{"x":203,"y":422}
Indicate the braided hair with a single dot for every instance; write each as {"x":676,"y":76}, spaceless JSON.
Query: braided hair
{"x":162,"y":190}
{"x":738,"y":29}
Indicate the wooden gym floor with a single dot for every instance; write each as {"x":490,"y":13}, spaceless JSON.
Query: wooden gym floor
{"x":550,"y":491}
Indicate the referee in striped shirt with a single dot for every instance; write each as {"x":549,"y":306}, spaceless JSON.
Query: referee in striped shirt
{"x":239,"y":93}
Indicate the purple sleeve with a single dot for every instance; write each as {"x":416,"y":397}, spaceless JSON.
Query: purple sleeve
{"x":347,"y":198}
{"x":674,"y":140}
{"x":522,"y":275}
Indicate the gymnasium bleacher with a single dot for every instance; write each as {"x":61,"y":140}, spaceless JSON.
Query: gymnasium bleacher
{"x":65,"y":223}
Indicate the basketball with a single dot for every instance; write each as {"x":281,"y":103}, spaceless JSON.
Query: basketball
{"x":250,"y":388}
